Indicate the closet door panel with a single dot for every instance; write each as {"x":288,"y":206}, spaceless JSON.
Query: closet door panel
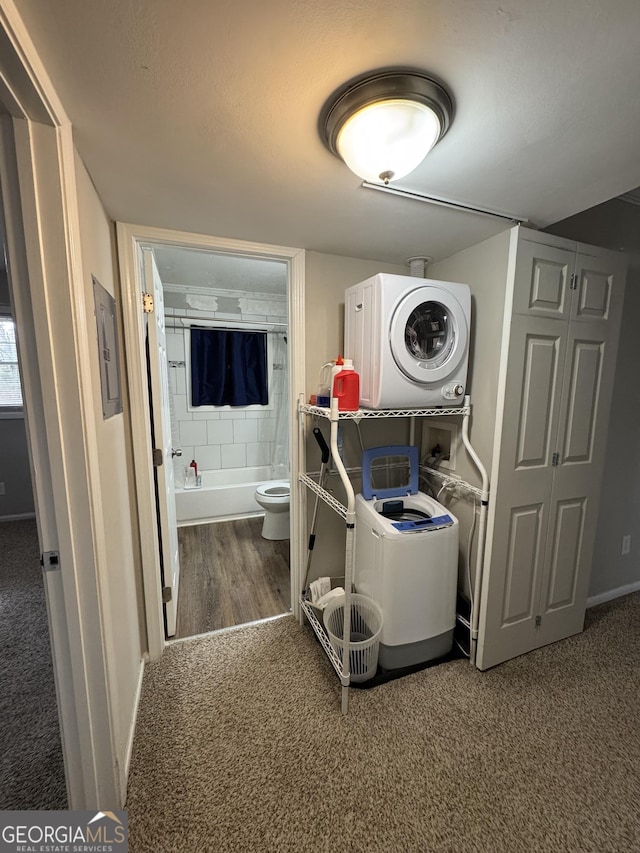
{"x":582,"y":401}
{"x":586,"y":399}
{"x":566,"y":538}
{"x":522,"y":492}
{"x":543,"y":280}
{"x":522,"y":560}
{"x":598,"y":287}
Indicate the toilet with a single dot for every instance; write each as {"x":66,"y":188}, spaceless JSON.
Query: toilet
{"x":274,"y":497}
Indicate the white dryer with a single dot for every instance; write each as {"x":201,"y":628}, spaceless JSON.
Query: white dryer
{"x":409,"y":340}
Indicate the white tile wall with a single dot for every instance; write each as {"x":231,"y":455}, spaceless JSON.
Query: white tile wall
{"x":207,"y":456}
{"x":193,"y":432}
{"x":259,"y":453}
{"x":220,"y":432}
{"x":225,"y":439}
{"x":233,"y":456}
{"x":245,"y":431}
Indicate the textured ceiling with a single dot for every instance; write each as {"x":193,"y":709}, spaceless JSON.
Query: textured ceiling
{"x":202,"y":115}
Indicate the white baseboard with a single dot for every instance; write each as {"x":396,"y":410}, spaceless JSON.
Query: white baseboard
{"x":610,"y":594}
{"x":18,"y":517}
{"x":132,"y":731}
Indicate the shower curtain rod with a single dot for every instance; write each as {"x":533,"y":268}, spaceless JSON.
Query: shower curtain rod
{"x":223,"y":324}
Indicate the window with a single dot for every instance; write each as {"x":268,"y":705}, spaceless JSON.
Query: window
{"x":10,"y":390}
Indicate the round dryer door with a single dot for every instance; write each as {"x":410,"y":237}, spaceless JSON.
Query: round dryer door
{"x":428,"y":334}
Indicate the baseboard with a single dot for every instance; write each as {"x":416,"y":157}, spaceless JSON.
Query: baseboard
{"x":132,"y":731}
{"x":21,"y":516}
{"x":610,"y":594}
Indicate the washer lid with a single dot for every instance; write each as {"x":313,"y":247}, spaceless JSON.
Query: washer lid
{"x":428,"y":334}
{"x":369,"y":492}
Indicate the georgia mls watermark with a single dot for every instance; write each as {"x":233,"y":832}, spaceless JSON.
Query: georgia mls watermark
{"x":63,"y":832}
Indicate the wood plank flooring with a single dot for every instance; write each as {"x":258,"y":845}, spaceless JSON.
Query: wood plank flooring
{"x":230,"y":575}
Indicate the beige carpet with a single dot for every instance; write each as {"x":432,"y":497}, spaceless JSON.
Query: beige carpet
{"x":31,"y":763}
{"x":241,"y":746}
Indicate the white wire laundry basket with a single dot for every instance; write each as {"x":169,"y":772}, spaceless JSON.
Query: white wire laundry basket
{"x":366,"y":626}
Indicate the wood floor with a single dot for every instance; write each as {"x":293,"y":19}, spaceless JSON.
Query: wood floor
{"x":230,"y":575}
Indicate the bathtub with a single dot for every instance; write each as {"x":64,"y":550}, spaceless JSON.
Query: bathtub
{"x":224,"y":495}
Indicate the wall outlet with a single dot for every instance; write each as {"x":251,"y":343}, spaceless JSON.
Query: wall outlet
{"x":626,"y":544}
{"x":2,"y":489}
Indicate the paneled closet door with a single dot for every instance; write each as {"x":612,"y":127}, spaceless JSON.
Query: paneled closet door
{"x":522,"y":494}
{"x":599,"y":286}
{"x":586,"y":399}
{"x":543,"y":280}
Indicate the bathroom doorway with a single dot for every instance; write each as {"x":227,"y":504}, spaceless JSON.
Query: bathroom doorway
{"x":227,"y":363}
{"x":227,"y":449}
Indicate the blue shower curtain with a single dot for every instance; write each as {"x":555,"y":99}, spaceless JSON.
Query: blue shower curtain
{"x":228,"y":368}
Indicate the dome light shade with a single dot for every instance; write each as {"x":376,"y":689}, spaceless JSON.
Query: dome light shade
{"x":384,"y":124}
{"x":388,"y":139}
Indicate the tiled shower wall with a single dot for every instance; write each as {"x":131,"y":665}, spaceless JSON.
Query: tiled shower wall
{"x":235,"y":438}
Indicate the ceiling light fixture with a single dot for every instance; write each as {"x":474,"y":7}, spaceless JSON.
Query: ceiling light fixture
{"x":384,"y":123}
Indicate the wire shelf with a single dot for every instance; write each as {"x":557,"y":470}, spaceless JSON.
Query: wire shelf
{"x":322,"y":412}
{"x":324,"y":640}
{"x":326,"y":496}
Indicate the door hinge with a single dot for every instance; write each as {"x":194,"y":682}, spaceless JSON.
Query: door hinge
{"x":157,"y":456}
{"x":574,"y":282}
{"x":538,"y":621}
{"x":555,"y":460}
{"x":50,"y":561}
{"x":147,"y":303}
{"x":166,"y":594}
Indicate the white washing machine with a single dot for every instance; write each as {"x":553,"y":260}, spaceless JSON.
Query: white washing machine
{"x":409,"y":340}
{"x":406,"y":560}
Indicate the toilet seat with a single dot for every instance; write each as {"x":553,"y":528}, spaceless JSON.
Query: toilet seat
{"x":276,"y":491}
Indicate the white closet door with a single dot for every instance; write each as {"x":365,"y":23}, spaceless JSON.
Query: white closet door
{"x":599,"y":286}
{"x":581,"y":445}
{"x":522,"y":493}
{"x":543,"y":280}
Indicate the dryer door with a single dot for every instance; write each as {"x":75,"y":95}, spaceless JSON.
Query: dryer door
{"x":428,"y":334}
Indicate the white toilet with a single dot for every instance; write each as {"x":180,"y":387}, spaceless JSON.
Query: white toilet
{"x":274,"y":498}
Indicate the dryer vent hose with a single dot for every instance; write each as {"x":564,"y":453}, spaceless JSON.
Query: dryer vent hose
{"x":418,"y":266}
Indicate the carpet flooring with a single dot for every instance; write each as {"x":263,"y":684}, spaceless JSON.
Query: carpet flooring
{"x":31,"y":765}
{"x":240,"y":746}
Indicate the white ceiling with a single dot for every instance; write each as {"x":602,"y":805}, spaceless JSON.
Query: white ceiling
{"x":197,"y":268}
{"x":201,"y":115}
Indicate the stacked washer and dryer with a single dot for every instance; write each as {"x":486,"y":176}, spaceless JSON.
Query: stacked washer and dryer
{"x":409,"y":341}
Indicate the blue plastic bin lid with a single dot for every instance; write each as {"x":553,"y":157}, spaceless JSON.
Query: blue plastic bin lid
{"x":368,"y":456}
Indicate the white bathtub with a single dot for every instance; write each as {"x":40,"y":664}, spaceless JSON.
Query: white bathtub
{"x":224,"y":495}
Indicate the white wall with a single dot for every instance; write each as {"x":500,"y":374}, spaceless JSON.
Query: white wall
{"x":616,"y":225}
{"x":119,"y":581}
{"x":484,"y":269}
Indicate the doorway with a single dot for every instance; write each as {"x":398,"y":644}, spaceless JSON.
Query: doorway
{"x":229,"y":285}
{"x":33,"y":773}
{"x":226,"y":338}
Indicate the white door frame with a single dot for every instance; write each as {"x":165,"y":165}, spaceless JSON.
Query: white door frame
{"x":41,"y":212}
{"x":130,"y":240}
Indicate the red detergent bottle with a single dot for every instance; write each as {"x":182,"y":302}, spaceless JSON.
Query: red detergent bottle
{"x":346,"y":388}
